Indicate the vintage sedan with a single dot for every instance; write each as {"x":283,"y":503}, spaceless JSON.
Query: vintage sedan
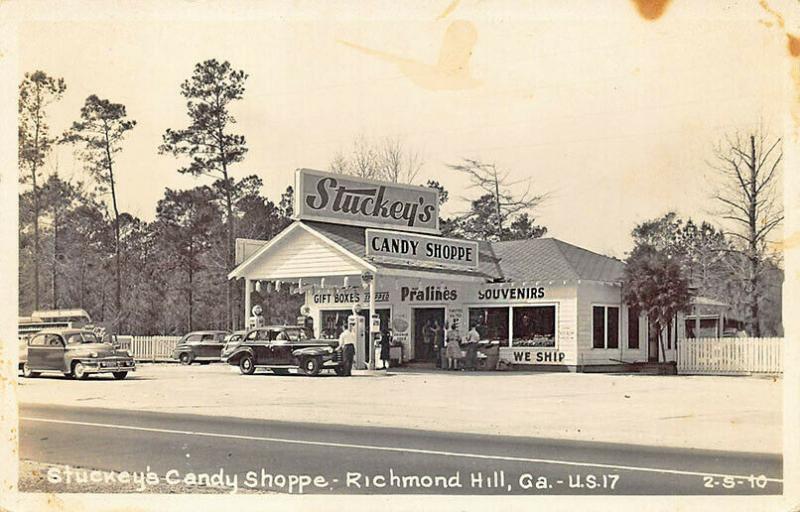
{"x":200,"y":346}
{"x":75,"y":353}
{"x":280,"y":348}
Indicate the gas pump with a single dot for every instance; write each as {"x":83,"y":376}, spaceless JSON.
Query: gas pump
{"x":256,"y":319}
{"x":356,"y":322}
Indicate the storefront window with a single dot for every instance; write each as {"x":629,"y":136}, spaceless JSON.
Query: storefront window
{"x":332,"y":323}
{"x":492,"y":323}
{"x":534,"y":326}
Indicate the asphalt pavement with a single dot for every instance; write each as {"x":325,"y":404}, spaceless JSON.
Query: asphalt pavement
{"x":237,"y":454}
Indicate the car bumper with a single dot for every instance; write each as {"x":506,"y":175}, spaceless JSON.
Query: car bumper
{"x":109,"y":366}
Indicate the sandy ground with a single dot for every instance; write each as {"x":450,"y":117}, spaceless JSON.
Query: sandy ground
{"x":723,"y":413}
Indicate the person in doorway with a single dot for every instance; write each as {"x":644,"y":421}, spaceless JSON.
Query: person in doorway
{"x":347,"y":344}
{"x":386,"y":342}
{"x":453,"y":350}
{"x":438,"y":342}
{"x":427,"y":339}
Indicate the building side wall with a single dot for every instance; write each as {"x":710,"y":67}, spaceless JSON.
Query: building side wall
{"x":598,"y":294}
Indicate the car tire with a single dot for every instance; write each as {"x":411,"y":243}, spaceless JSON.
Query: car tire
{"x":339,"y":369}
{"x":120,"y":375}
{"x":79,"y":371}
{"x":185,"y":358}
{"x":247,"y":365}
{"x":27,"y":373}
{"x":280,"y":371}
{"x":311,"y":366}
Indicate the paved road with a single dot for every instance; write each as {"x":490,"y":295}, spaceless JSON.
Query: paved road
{"x":314,"y":458}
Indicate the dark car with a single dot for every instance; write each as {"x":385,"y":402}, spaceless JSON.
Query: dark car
{"x":201,"y":346}
{"x":75,"y":353}
{"x":282,"y":347}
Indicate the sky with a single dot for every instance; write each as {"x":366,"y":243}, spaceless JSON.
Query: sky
{"x":615,"y":116}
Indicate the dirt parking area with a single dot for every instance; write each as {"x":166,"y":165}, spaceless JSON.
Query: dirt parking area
{"x":725,"y":413}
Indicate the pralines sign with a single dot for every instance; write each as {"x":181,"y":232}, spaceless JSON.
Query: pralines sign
{"x":430,"y":250}
{"x":345,"y":199}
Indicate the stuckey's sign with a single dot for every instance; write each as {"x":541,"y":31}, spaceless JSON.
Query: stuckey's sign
{"x":344,"y":199}
{"x":423,"y":249}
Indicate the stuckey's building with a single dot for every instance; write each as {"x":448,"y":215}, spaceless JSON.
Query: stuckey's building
{"x":375,"y":246}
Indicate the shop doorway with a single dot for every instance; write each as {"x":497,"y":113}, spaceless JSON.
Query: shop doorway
{"x":425,"y":322}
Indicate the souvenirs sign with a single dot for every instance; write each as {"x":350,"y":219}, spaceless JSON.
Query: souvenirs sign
{"x":345,"y":199}
{"x":406,"y":247}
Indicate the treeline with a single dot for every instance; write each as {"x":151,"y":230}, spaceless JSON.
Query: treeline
{"x":173,"y":271}
{"x":78,"y":250}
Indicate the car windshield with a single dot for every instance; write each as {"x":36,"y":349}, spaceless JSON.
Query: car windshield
{"x":81,"y":337}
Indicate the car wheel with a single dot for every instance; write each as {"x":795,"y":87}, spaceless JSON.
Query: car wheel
{"x":186,"y":358}
{"x":339,"y":370}
{"x":280,"y":371}
{"x":311,"y":366}
{"x":247,"y":365}
{"x":79,"y":371}
{"x":27,"y":373}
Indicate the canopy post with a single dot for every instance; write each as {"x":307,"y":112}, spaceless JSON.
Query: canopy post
{"x":247,"y":292}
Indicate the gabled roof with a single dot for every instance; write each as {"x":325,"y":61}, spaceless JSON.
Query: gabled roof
{"x":549,"y":258}
{"x":535,"y":259}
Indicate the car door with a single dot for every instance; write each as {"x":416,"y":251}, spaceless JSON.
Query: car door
{"x":281,"y":347}
{"x":261,"y":347}
{"x":37,"y":348}
{"x":54,"y":353}
{"x":216,"y":344}
{"x":193,"y":342}
{"x":206,"y":346}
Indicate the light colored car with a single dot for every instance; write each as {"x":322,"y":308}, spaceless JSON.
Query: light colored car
{"x":76,"y":353}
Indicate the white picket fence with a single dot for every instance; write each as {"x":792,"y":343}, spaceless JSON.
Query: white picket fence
{"x":730,"y":356}
{"x":149,"y":348}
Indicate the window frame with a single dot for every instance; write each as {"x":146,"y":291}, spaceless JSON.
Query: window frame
{"x":509,"y":342}
{"x":638,"y":317}
{"x":606,"y":307}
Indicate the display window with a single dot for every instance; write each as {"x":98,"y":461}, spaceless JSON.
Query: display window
{"x":491,"y":323}
{"x":534,"y":326}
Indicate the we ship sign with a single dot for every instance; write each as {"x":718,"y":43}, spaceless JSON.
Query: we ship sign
{"x":342,"y":199}
{"x":430,"y":250}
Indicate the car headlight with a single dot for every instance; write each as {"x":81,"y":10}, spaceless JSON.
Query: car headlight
{"x":93,"y":354}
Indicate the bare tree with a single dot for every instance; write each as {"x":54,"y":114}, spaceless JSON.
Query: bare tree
{"x":386,"y":159}
{"x":750,"y":167}
{"x":502,"y":194}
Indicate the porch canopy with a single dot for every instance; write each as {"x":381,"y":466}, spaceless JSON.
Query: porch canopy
{"x":310,"y":254}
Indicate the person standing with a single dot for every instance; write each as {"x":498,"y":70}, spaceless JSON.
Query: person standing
{"x":453,"y":350}
{"x":347,"y":344}
{"x":438,"y":342}
{"x":427,"y":340}
{"x":386,"y":343}
{"x":472,"y":339}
